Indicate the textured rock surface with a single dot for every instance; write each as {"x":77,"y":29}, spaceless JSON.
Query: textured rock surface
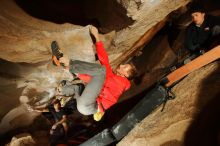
{"x":25,"y":36}
{"x":149,"y":13}
{"x":22,"y":140}
{"x":174,"y":125}
{"x":149,"y":64}
{"x":25,"y":83}
{"x":16,"y":118}
{"x":26,"y":39}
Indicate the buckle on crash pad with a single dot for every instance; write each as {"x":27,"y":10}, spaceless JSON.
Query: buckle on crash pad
{"x":169,"y":96}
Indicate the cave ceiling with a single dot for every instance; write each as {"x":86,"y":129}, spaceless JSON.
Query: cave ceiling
{"x":26,"y":35}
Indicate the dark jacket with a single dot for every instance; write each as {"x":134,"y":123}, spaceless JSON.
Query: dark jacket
{"x":199,"y":37}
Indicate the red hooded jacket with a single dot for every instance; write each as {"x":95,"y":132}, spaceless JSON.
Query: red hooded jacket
{"x":114,"y":85}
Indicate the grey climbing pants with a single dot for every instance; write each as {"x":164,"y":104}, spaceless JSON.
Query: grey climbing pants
{"x":86,"y":102}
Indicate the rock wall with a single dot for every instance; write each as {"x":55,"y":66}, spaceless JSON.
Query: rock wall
{"x":190,"y":119}
{"x":26,"y":73}
{"x":146,"y":15}
{"x":150,"y":67}
{"x":26,"y":39}
{"x":25,"y":36}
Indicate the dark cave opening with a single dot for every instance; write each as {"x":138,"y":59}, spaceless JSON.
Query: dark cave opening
{"x":108,"y":15}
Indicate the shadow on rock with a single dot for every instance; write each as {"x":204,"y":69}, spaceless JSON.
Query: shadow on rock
{"x":205,"y":129}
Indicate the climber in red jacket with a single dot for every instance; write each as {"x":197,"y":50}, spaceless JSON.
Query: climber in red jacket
{"x":104,"y":87}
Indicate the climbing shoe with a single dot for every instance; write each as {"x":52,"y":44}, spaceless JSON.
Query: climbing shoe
{"x":56,"y":53}
{"x":98,"y":116}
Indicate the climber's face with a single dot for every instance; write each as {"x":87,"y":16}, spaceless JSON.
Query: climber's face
{"x":198,"y":17}
{"x":124,"y":70}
